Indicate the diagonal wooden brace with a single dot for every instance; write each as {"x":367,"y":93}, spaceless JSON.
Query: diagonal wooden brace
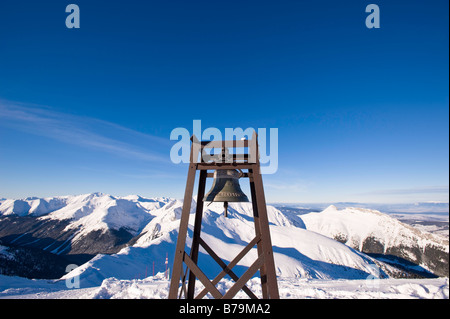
{"x":244,"y":278}
{"x":201,"y":276}
{"x":227,"y":268}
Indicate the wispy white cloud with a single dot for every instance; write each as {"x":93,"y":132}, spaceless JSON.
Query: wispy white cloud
{"x":138,"y":174}
{"x":82,"y":131}
{"x":437,"y":193}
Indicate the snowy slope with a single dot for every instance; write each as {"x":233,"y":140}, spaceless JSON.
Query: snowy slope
{"x":298,"y":252}
{"x":157,"y":287}
{"x":371,"y":231}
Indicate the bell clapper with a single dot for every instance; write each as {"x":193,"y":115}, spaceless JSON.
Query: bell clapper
{"x":225,"y":206}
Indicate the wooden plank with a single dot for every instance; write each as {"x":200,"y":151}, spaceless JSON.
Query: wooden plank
{"x":202,"y":277}
{"x":211,"y":166}
{"x":221,"y":144}
{"x":197,"y":230}
{"x":262,"y":271}
{"x":270,"y":270}
{"x":182,"y":233}
{"x":234,"y":158}
{"x":195,"y":150}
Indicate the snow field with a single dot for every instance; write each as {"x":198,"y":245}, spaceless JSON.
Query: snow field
{"x":157,"y":287}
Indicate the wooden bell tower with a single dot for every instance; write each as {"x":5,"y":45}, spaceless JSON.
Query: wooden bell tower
{"x":248,"y":164}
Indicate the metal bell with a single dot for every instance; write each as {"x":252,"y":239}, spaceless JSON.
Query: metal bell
{"x":226,"y":188}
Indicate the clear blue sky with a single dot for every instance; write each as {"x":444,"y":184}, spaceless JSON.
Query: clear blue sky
{"x":362,"y":114}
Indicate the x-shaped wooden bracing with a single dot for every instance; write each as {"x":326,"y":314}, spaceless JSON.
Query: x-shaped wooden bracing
{"x":210,"y":286}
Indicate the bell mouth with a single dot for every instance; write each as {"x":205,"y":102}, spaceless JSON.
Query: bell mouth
{"x":228,"y":197}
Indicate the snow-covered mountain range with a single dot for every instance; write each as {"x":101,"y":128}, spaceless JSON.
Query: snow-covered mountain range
{"x":373,"y":232}
{"x":130,"y":237}
{"x":76,"y":226}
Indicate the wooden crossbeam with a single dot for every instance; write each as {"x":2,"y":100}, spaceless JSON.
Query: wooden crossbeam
{"x":220,"y":144}
{"x":210,"y":166}
{"x":246,"y":175}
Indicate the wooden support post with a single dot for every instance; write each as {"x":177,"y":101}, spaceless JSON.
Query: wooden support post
{"x":197,"y":230}
{"x":266,"y":242}
{"x":177,"y":268}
